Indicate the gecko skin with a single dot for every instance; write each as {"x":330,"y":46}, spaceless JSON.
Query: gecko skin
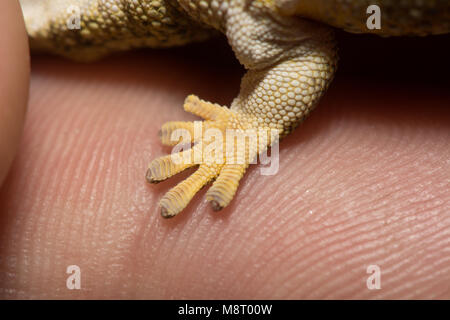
{"x":290,"y":59}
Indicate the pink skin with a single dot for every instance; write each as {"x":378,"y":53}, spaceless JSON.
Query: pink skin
{"x":364,"y":181}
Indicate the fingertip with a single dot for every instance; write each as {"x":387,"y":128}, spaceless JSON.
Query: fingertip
{"x":14,"y":81}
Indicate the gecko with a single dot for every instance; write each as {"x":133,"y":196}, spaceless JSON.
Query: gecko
{"x":287,"y":47}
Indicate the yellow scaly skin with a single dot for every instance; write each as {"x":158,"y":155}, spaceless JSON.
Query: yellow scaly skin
{"x":290,"y":63}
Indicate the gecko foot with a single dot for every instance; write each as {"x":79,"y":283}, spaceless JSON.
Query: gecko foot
{"x":211,"y":152}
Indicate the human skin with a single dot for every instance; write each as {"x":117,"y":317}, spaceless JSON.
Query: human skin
{"x":14,"y":71}
{"x":363,"y":181}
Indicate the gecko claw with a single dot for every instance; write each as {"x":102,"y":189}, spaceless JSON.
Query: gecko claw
{"x":215,"y":205}
{"x":165,"y":213}
{"x":149,"y":177}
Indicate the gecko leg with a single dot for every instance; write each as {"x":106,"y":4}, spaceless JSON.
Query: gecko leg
{"x":290,"y":64}
{"x":275,"y":98}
